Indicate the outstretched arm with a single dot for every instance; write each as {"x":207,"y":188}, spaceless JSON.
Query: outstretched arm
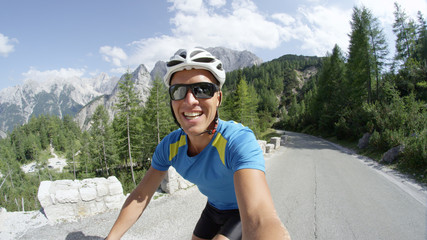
{"x":136,"y":203}
{"x":257,"y":212}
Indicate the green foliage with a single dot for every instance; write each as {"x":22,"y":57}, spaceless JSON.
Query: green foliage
{"x":31,"y":143}
{"x":341,"y":103}
{"x":157,"y":119}
{"x":414,"y":157}
{"x":128,"y":123}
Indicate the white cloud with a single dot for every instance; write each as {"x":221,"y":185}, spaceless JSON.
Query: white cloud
{"x":316,"y":27}
{"x":186,"y":6}
{"x":113,"y":54}
{"x":217,"y":3}
{"x":320,"y":28}
{"x":6,"y":45}
{"x":284,"y":18}
{"x":383,"y":9}
{"x":63,"y":73}
{"x":206,"y":24}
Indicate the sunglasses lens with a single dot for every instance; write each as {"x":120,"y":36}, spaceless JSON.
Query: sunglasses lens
{"x":204,"y":90}
{"x":177,"y":92}
{"x":200,"y":90}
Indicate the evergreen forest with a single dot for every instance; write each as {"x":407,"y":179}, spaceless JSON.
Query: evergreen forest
{"x":340,"y":96}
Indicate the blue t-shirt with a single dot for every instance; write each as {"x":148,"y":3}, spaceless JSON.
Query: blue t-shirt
{"x":233,"y":147}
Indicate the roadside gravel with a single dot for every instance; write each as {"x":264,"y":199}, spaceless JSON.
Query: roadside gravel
{"x":172,"y":216}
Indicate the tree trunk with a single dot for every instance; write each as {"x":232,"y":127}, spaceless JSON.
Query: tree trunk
{"x":157,"y":115}
{"x":74,"y":164}
{"x":105,"y":157}
{"x":129,"y":149}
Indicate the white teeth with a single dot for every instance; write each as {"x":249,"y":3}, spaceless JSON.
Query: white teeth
{"x":192,"y":115}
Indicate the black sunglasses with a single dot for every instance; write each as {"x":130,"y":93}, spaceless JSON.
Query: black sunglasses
{"x":203,"y":90}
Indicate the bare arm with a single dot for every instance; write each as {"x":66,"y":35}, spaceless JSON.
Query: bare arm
{"x":136,"y":203}
{"x":259,"y":217}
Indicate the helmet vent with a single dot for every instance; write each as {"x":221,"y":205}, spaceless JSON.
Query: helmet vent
{"x":183,"y":54}
{"x":219,"y":67}
{"x":204,"y":60}
{"x":173,"y":63}
{"x":194,"y":53}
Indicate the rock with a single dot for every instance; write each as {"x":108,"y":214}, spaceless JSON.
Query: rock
{"x":173,"y":182}
{"x":275,"y":141}
{"x":262,"y":145}
{"x":392,"y":155}
{"x":364,"y":141}
{"x":269,"y":148}
{"x":68,"y":200}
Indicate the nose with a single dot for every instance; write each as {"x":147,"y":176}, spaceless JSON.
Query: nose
{"x":190,"y":98}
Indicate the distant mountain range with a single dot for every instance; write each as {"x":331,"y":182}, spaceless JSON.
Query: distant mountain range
{"x":80,"y":97}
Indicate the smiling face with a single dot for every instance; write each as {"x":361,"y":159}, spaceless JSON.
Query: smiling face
{"x":193,"y":114}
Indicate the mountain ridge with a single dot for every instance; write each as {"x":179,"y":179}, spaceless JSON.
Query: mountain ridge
{"x":79,"y":97}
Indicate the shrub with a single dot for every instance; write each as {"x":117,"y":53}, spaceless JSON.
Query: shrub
{"x":414,"y":157}
{"x":375,"y":140}
{"x":392,"y":138}
{"x":342,"y":130}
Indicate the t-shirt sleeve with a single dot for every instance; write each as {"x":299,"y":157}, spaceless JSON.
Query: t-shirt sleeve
{"x":245,"y":152}
{"x":160,"y":159}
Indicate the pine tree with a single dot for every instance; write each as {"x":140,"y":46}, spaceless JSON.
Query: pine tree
{"x":404,"y":28}
{"x":156,"y":116}
{"x":100,"y":138}
{"x":128,"y":123}
{"x":359,"y":60}
{"x":245,"y":103}
{"x":378,"y":49}
{"x":410,"y":53}
{"x":332,"y":91}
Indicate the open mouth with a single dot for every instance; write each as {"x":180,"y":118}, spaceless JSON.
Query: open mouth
{"x":192,"y":115}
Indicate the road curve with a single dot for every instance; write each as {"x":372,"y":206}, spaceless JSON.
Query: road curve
{"x":323,"y":191}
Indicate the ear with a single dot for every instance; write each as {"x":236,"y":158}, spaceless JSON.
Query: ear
{"x":219,"y":98}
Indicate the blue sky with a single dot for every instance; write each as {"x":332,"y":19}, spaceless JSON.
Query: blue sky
{"x":40,"y":40}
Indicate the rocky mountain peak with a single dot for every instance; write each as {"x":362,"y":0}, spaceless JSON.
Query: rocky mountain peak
{"x":80,"y":96}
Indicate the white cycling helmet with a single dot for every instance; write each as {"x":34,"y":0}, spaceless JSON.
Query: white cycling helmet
{"x":196,"y":58}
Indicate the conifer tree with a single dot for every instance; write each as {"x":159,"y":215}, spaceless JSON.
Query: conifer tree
{"x":332,"y":90}
{"x":156,"y":117}
{"x":378,"y":49}
{"x":404,"y":28}
{"x":410,"y":53}
{"x":101,"y":136}
{"x":359,"y":59}
{"x":245,"y":103}
{"x":128,"y":122}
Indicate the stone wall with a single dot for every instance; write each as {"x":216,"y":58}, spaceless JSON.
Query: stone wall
{"x":68,"y":200}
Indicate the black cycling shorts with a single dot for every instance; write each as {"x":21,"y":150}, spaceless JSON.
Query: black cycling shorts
{"x":214,"y":221}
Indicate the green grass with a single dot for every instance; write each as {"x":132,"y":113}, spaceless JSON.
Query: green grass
{"x":268,"y":134}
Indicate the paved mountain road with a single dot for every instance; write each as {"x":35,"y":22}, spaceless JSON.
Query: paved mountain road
{"x":321,"y":191}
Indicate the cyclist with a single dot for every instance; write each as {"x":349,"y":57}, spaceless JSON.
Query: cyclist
{"x":222,"y":158}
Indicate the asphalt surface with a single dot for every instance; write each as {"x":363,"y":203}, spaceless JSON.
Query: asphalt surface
{"x":320,"y":190}
{"x":324,"y":191}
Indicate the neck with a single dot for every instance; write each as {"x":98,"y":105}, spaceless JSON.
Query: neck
{"x":196,"y":144}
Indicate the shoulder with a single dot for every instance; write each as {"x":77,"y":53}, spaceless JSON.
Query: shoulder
{"x":167,"y":149}
{"x":231,"y":130}
{"x":173,"y":137}
{"x":172,"y":142}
